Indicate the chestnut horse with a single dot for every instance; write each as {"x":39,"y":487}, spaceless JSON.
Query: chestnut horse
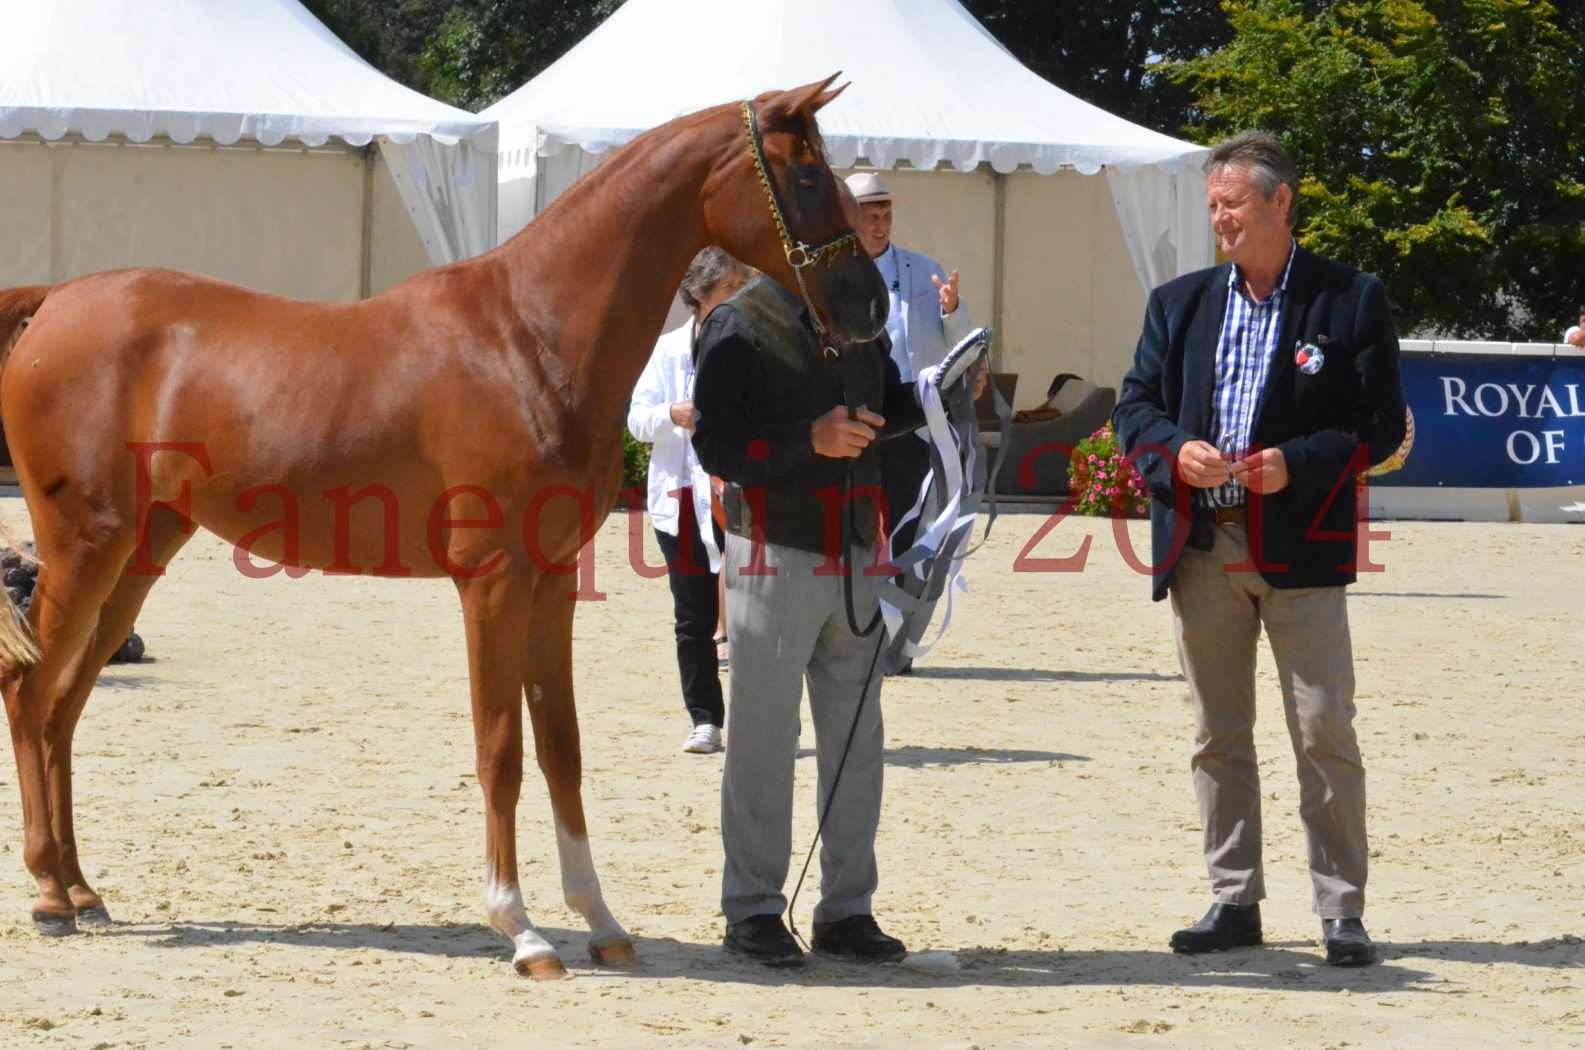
{"x":466,"y":423}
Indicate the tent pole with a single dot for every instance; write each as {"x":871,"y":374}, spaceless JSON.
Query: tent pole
{"x":366,"y":256}
{"x":998,"y":267}
{"x":58,"y":160}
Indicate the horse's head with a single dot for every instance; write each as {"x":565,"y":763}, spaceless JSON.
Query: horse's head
{"x":778,"y":207}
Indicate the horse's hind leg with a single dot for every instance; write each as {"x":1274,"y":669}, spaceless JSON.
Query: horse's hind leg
{"x":495,"y":614}
{"x":76,"y":576}
{"x":555,"y":718}
{"x":167,"y":533}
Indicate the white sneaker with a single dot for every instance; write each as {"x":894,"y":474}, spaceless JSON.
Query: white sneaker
{"x":704,"y":740}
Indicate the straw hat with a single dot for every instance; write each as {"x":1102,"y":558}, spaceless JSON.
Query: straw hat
{"x":868,"y":188}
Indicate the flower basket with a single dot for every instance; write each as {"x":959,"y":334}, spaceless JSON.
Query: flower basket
{"x":1102,"y":482}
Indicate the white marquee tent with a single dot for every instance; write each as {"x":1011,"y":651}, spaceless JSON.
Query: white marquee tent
{"x":989,"y":161}
{"x":243,"y":140}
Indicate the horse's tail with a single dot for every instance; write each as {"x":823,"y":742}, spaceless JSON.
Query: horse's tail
{"x":18,"y":649}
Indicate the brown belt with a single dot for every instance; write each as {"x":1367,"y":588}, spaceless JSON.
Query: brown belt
{"x":1230,"y":515}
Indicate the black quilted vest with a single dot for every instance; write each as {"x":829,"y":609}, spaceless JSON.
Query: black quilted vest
{"x":804,"y":509}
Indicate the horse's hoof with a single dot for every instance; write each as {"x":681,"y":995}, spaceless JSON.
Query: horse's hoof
{"x":93,"y":915}
{"x":619,"y":953}
{"x":540,"y":968}
{"x":53,"y":924}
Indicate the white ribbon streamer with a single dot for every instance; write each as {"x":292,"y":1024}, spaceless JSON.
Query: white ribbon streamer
{"x":947,"y":534}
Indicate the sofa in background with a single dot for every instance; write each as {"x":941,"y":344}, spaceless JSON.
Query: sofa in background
{"x":1044,"y":436}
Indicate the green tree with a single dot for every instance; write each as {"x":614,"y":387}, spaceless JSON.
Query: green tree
{"x":486,"y":49}
{"x":388,"y":34}
{"x":1110,"y":53}
{"x":469,"y":53}
{"x":1442,"y":145}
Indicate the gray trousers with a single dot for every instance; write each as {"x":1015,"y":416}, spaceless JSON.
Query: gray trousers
{"x":1218,"y":616}
{"x":786,"y":629}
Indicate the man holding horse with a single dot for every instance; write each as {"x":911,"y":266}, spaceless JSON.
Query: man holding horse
{"x":774,"y":423}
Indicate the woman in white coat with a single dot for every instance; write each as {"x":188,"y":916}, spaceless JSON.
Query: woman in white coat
{"x":662,"y":415}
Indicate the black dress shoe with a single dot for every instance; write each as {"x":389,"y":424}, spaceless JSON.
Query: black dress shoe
{"x":763,"y":939}
{"x":1224,"y":926}
{"x":857,"y":937}
{"x":1347,"y":943}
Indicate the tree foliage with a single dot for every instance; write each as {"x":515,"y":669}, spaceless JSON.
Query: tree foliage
{"x":1442,"y":145}
{"x":390,"y":35}
{"x":487,"y":49}
{"x":1110,"y":53}
{"x":469,"y":53}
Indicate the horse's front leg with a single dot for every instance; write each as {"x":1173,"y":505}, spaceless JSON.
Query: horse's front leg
{"x":43,"y":704}
{"x":495,"y":615}
{"x":548,"y":685}
{"x":164,"y":534}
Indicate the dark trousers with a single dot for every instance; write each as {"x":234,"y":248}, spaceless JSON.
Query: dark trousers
{"x":695,"y":604}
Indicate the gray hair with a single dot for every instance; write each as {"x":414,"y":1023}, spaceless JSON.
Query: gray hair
{"x":708,"y":269}
{"x":1268,"y":164}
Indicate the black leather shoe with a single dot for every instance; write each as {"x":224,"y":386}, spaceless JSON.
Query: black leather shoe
{"x":763,"y":939}
{"x":857,"y":937}
{"x":1347,"y":943}
{"x":1224,"y":926}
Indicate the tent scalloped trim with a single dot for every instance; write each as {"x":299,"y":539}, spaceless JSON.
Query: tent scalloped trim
{"x":226,"y":129}
{"x":964,"y":156}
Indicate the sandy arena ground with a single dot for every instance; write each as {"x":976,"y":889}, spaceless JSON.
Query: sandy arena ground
{"x":281,"y":813}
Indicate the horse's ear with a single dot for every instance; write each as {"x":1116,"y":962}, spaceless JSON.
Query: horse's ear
{"x":825,"y":98}
{"x":801,"y":100}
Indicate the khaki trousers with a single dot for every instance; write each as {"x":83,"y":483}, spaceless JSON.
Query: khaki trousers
{"x":1218,"y":616}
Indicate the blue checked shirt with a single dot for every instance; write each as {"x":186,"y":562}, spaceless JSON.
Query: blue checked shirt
{"x":1243,"y":359}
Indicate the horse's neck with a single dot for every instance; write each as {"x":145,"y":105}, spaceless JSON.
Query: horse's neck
{"x":606,"y":258}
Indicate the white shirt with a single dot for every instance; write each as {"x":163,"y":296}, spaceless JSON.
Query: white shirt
{"x":1570,"y":333}
{"x":895,"y":327}
{"x":668,"y":378}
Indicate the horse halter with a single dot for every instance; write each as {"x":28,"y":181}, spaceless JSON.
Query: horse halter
{"x":800,"y":256}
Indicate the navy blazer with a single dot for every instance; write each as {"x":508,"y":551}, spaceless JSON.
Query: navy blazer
{"x":1331,"y":425}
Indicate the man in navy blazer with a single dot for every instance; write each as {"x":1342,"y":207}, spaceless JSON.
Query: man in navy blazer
{"x":1261,"y":390}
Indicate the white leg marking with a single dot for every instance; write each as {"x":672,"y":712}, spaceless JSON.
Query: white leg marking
{"x":581,"y":887}
{"x":503,"y":903}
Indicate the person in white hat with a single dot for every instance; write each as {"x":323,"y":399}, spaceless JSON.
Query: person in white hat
{"x":927,"y":318}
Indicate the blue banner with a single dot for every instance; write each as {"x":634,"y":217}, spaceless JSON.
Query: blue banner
{"x":1493,"y":421}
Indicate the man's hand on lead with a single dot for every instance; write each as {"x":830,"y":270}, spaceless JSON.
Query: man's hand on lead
{"x":1201,"y":465}
{"x":838,"y":437}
